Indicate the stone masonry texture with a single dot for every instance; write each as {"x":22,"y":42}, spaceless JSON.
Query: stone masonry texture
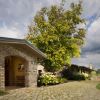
{"x":31,"y":70}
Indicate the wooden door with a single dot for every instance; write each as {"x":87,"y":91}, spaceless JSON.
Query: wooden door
{"x":6,"y":72}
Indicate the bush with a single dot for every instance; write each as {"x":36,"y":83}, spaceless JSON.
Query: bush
{"x":62,"y":80}
{"x":98,"y":72}
{"x":78,"y":77}
{"x":93,"y":73}
{"x":98,"y":86}
{"x":70,"y":75}
{"x":49,"y":79}
{"x":87,"y":76}
{"x":66,"y":73}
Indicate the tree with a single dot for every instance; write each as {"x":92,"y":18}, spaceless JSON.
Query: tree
{"x":55,"y":32}
{"x":98,"y":71}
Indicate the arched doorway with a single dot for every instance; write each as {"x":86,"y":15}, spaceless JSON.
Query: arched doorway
{"x":15,"y":67}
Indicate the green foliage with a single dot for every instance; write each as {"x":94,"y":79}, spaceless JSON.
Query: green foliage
{"x":70,"y":75}
{"x":98,"y":72}
{"x":55,"y":32}
{"x":86,"y":75}
{"x":62,"y":80}
{"x":78,"y":77}
{"x":98,"y":86}
{"x":93,"y":73}
{"x":50,"y":79}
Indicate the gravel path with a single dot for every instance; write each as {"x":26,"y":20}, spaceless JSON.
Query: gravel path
{"x":83,"y":90}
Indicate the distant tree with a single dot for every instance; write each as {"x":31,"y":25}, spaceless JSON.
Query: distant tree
{"x":98,"y":71}
{"x":56,"y":32}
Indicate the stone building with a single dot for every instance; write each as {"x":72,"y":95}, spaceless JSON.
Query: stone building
{"x":18,"y":62}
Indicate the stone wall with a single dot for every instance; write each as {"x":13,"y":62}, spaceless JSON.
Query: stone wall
{"x":2,"y":80}
{"x":31,"y":70}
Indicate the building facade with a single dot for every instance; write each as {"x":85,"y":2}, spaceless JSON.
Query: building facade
{"x":18,"y":63}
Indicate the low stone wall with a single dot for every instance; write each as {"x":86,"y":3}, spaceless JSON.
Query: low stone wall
{"x":2,"y":78}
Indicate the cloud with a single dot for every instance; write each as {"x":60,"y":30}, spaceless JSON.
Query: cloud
{"x":88,"y":59}
{"x":91,"y":50}
{"x":91,"y":8}
{"x":19,"y":13}
{"x":16,"y":15}
{"x":11,"y":33}
{"x":50,"y":2}
{"x":93,"y":35}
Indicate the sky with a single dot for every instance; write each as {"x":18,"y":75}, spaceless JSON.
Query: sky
{"x":16,"y":15}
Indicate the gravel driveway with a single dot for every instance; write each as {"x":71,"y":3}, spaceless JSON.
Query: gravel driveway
{"x":83,"y":90}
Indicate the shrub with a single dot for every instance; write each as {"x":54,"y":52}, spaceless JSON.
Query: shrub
{"x":98,"y":86}
{"x":66,"y":73}
{"x":98,"y":72}
{"x":93,"y":73}
{"x":62,"y":80}
{"x":48,"y":79}
{"x":70,"y":75}
{"x":87,"y":76}
{"x":78,"y":77}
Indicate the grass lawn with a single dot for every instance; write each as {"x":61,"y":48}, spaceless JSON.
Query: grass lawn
{"x":98,"y":86}
{"x":98,"y":74}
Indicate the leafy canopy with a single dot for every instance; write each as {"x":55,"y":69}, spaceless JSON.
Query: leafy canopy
{"x":56,"y":32}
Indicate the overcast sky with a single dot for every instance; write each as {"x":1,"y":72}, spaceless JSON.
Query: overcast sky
{"x":16,"y":15}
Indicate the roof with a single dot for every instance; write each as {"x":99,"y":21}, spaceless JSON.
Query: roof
{"x":23,"y":42}
{"x":81,"y":67}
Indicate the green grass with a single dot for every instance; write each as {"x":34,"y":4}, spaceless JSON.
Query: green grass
{"x":98,"y":86}
{"x":2,"y":92}
{"x":98,"y":74}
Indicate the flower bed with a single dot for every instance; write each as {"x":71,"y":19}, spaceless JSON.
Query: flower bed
{"x":49,"y":79}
